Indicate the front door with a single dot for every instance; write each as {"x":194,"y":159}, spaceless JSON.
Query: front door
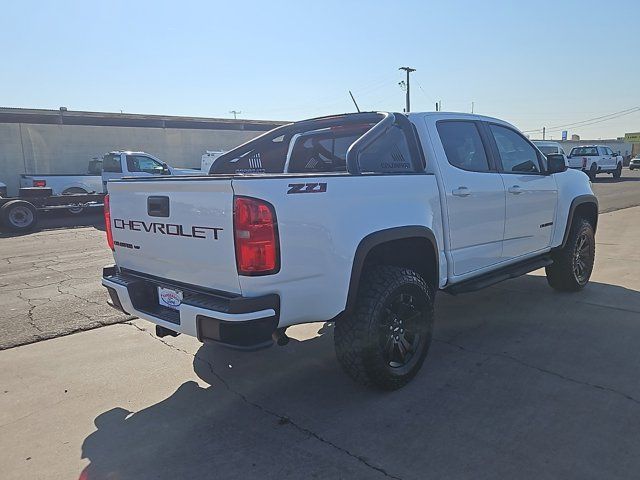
{"x":531,"y":195}
{"x":475,"y":196}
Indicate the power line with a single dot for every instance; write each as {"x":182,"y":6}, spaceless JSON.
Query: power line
{"x":591,"y":121}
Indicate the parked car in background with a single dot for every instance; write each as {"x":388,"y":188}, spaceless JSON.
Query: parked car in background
{"x":551,"y":148}
{"x":120,"y":163}
{"x":635,"y":162}
{"x":594,"y":159}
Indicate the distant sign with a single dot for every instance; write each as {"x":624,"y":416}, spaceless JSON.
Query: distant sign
{"x":564,"y":134}
{"x":632,"y":137}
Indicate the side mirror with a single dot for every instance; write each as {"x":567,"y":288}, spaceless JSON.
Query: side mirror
{"x":165,"y":169}
{"x":555,"y":163}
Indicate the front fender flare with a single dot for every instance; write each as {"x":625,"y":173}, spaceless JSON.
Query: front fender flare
{"x":579,"y":200}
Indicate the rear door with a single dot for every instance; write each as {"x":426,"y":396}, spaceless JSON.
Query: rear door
{"x":610,"y":158}
{"x":531,"y":195}
{"x":475,"y":196}
{"x":179,"y":230}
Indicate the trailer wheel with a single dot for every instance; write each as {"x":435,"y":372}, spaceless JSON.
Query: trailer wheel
{"x":19,"y":215}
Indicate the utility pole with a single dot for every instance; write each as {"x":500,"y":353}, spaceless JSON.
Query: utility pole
{"x":408,"y":101}
{"x":235,"y":113}
{"x":472,"y":105}
{"x":544,"y":132}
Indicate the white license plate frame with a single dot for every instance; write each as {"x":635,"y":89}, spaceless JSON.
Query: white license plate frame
{"x":170,"y":297}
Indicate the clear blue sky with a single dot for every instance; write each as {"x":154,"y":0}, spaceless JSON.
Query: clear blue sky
{"x":532,"y":63}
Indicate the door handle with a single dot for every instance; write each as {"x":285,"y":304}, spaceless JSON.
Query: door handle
{"x":516,"y":190}
{"x":461,"y":192}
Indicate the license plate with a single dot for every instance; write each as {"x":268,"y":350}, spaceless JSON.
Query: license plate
{"x":169,"y":297}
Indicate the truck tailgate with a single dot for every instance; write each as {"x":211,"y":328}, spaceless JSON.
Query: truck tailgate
{"x":180,"y":230}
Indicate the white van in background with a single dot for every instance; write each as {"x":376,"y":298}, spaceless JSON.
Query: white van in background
{"x":208,"y":158}
{"x":551,"y":148}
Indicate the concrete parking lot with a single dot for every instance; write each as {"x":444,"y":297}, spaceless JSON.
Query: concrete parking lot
{"x":521,"y":381}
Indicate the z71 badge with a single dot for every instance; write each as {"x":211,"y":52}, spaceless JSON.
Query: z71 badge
{"x":307,"y":188}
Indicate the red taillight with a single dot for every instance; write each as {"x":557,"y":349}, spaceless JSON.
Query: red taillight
{"x":39,"y":183}
{"x":584,"y":162}
{"x":256,"y":236}
{"x":107,"y":222}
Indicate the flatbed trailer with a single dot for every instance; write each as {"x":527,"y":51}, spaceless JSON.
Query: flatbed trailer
{"x":19,"y":214}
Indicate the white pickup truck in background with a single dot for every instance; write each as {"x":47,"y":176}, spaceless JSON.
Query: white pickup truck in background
{"x":356,"y":219}
{"x":594,"y":159}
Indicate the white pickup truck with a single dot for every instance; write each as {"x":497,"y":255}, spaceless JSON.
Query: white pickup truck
{"x":356,"y":219}
{"x":594,"y":159}
{"x":121,"y":163}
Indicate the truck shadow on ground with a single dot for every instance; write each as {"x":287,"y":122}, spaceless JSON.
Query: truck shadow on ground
{"x":520,"y":382}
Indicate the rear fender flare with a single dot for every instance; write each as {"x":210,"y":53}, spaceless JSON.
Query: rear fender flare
{"x":368,"y":243}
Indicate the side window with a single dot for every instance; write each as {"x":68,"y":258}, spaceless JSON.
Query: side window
{"x":388,"y":154}
{"x":139,"y":163}
{"x":111,"y":163}
{"x":463,"y":145}
{"x":517,"y":155}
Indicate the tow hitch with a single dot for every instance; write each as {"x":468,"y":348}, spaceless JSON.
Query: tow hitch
{"x":163,"y":332}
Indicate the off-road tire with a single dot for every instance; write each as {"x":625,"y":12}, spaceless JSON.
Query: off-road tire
{"x":561,"y":275}
{"x":358,"y":336}
{"x":617,"y":173}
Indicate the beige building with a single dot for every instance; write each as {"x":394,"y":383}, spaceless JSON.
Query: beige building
{"x":61,"y":141}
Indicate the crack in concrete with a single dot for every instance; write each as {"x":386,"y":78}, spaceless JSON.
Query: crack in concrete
{"x":540,"y":369}
{"x":32,"y":307}
{"x":79,"y":297}
{"x":283,"y":419}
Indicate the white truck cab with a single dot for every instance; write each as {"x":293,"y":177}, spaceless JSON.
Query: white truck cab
{"x":121,"y":163}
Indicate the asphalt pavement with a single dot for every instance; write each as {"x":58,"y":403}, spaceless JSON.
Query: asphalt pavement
{"x":521,"y":381}
{"x":614,"y":194}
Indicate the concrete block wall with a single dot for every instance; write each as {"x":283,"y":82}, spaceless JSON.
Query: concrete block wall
{"x":49,"y":148}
